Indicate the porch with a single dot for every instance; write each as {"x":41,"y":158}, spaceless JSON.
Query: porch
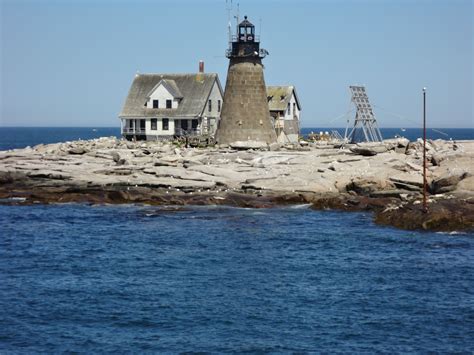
{"x":152,"y":127}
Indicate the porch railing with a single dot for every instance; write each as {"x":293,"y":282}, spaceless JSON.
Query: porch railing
{"x":129,"y":130}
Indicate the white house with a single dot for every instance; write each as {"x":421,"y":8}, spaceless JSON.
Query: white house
{"x":163,"y":106}
{"x":285,"y":109}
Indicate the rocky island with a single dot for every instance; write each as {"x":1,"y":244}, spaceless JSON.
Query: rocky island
{"x":384,"y":178}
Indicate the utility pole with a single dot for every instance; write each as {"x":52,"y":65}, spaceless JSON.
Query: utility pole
{"x":425,"y":207}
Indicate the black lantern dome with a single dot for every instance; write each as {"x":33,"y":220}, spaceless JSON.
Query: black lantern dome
{"x":246,"y":43}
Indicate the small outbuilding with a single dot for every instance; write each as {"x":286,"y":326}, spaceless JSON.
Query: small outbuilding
{"x":165,"y":106}
{"x":285,"y":110}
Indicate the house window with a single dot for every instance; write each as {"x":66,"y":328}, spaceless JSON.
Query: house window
{"x":155,"y":103}
{"x":218,"y":105}
{"x":154,"y":124}
{"x":289,"y":109}
{"x":165,"y":124}
{"x":142,"y":125}
{"x":294,"y":108}
{"x":168,"y":103}
{"x":194,"y":124}
{"x":209,"y":105}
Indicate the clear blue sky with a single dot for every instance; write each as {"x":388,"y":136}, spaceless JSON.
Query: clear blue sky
{"x":70,"y":63}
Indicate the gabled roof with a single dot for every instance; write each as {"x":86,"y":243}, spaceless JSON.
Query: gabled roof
{"x":193,"y":88}
{"x":169,"y":85}
{"x":279,"y":96}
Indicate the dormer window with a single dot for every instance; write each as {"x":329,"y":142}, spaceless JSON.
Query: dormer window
{"x":155,"y":103}
{"x":169,"y":103}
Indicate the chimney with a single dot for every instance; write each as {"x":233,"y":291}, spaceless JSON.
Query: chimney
{"x":201,"y":66}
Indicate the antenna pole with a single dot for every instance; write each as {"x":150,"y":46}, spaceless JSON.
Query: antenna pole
{"x":229,"y":25}
{"x":425,"y":207}
{"x":238,"y":10}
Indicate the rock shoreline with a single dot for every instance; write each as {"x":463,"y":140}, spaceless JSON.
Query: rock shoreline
{"x":383,"y":178}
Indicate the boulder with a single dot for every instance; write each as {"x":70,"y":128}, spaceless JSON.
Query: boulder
{"x":130,"y":145}
{"x":447,"y":182}
{"x":248,"y":145}
{"x":411,"y":178}
{"x":77,"y":151}
{"x":192,"y":161}
{"x":116,"y":157}
{"x":394,"y":143}
{"x":369,"y":185}
{"x":368,"y":149}
{"x":466,"y":185}
{"x":333,"y":166}
{"x":274,"y":146}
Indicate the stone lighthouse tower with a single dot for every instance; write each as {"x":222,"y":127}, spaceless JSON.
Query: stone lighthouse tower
{"x":245,"y":115}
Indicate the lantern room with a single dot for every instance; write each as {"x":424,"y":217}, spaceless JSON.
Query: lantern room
{"x":245,"y":44}
{"x":246,"y":31}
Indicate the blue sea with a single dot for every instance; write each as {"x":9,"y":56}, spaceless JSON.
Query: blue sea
{"x":21,"y":137}
{"x":134,"y":278}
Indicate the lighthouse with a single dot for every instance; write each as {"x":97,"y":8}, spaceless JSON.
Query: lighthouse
{"x":245,"y":115}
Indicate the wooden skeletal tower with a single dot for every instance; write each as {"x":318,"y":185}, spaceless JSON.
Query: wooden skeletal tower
{"x":365,"y":126}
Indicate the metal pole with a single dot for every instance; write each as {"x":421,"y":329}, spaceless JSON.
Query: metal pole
{"x":425,"y":207}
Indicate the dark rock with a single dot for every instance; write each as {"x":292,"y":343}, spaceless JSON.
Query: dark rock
{"x":443,"y":215}
{"x":369,"y":150}
{"x":388,"y":193}
{"x":357,"y":203}
{"x":7,"y":177}
{"x":368,"y":186}
{"x":405,"y":186}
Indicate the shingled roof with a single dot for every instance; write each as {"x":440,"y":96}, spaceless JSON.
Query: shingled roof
{"x":193,"y":88}
{"x":279,"y":96}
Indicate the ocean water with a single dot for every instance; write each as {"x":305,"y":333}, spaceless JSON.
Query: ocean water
{"x":410,"y":133}
{"x":130,"y":278}
{"x":21,"y":137}
{"x":215,"y":279}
